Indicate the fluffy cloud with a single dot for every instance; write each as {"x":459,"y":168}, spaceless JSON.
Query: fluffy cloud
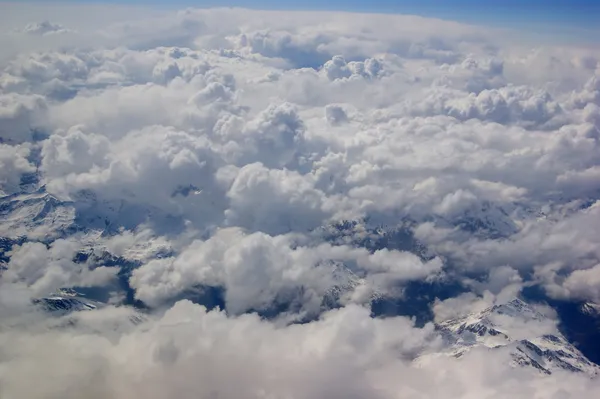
{"x":21,"y":116}
{"x":338,"y":68}
{"x":584,"y":284}
{"x":190,"y":352}
{"x":44,"y":28}
{"x":13,"y":164}
{"x":295,"y":163}
{"x":44,"y":269}
{"x":259,"y":271}
{"x":275,"y":200}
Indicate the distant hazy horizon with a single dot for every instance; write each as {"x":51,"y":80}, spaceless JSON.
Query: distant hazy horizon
{"x":577,"y":19}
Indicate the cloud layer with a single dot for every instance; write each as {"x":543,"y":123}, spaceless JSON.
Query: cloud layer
{"x":301,"y":164}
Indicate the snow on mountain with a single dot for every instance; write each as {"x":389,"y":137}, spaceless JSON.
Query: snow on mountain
{"x":590,"y":308}
{"x":373,"y":236}
{"x":486,"y":219}
{"x":65,"y":301}
{"x":110,"y":216}
{"x":491,"y":220}
{"x":348,"y":283}
{"x":529,"y":336}
{"x":37,"y":215}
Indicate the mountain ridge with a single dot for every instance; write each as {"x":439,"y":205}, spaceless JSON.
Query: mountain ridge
{"x":494,"y":328}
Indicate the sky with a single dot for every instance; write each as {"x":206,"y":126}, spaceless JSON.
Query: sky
{"x":576,"y":20}
{"x":582,"y":13}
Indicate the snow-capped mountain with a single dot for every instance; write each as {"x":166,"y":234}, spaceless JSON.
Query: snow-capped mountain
{"x":486,"y":219}
{"x":530,"y":336}
{"x":346,"y":283}
{"x":35,"y":214}
{"x":65,"y":301}
{"x":38,"y":215}
{"x":590,"y":308}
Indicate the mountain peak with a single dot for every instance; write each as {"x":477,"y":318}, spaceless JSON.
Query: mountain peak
{"x":531,"y":337}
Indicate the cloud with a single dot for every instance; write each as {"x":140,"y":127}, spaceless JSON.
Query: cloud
{"x":190,"y":352}
{"x":298,"y":165}
{"x":335,"y":114}
{"x":458,"y":306}
{"x":13,"y":165}
{"x":275,"y":201}
{"x":21,"y":116}
{"x":45,"y":28}
{"x":584,"y":284}
{"x":45,"y":269}
{"x":259,"y":271}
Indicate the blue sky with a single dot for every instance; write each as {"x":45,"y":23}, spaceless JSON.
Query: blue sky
{"x":577,"y":15}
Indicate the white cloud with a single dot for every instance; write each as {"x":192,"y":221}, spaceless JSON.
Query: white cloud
{"x":44,"y":269}
{"x":275,"y":201}
{"x":45,"y":28}
{"x":461,"y":305}
{"x":189,"y":352}
{"x":260,"y":271}
{"x":335,"y":114}
{"x":21,"y":116}
{"x":13,"y":164}
{"x":584,"y":284}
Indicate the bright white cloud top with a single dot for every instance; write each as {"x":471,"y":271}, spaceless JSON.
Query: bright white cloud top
{"x":300,"y":171}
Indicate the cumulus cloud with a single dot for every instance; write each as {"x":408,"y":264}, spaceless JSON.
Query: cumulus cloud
{"x":275,"y":200}
{"x":335,"y":114}
{"x":20,"y":117}
{"x":292,"y":170}
{"x":260,"y":271}
{"x":44,"y":269}
{"x":13,"y":164}
{"x":44,"y":28}
{"x":583,"y":284}
{"x":190,"y":352}
{"x":452,"y":308}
